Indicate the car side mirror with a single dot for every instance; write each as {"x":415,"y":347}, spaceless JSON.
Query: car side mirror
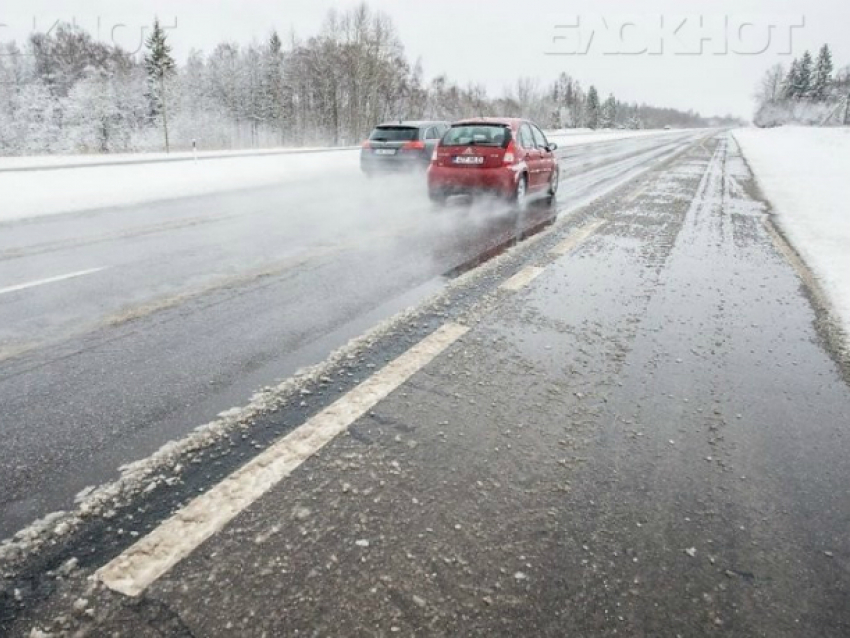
{"x":551,"y":146}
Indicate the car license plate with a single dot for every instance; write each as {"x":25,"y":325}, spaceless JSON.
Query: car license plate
{"x":384,"y":151}
{"x":468,"y":159}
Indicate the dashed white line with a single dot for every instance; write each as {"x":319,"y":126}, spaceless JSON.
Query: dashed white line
{"x":575,"y":238}
{"x":155,"y":554}
{"x":522,"y":278}
{"x":49,"y":280}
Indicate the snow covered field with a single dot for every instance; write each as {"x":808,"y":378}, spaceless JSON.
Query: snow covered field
{"x":32,"y":193}
{"x":805,"y":173}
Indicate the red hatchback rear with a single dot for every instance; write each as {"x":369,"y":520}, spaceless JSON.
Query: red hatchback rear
{"x":508,"y":157}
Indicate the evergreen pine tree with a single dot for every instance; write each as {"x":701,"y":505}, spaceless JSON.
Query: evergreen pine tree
{"x":608,"y":113}
{"x":592,"y":108}
{"x":789,"y":86}
{"x":804,"y":77}
{"x":274,"y":109}
{"x":159,"y":66}
{"x":823,"y":73}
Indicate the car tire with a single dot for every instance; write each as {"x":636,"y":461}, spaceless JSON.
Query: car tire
{"x":519,"y":197}
{"x":554,"y":182}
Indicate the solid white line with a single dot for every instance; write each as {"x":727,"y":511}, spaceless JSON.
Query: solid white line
{"x":522,"y":278}
{"x":155,"y":554}
{"x":575,"y":238}
{"x":49,"y":280}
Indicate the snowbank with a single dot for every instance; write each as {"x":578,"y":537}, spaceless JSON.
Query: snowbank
{"x":804,"y":113}
{"x":50,"y":192}
{"x":575,"y":137}
{"x":804,"y":173}
{"x":35,"y":162}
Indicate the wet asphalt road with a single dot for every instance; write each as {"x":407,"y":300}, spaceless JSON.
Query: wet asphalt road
{"x":201,"y":301}
{"x":649,"y":439}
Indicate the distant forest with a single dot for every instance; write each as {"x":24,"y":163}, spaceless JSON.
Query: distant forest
{"x":65,"y":92}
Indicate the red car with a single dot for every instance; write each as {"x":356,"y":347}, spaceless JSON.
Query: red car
{"x":505,"y":156}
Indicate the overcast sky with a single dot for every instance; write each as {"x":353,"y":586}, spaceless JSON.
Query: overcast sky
{"x":711,"y":67}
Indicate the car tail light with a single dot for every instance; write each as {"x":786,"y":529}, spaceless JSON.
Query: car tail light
{"x":434,"y":154}
{"x":366,"y":144}
{"x":510,"y":153}
{"x":414,"y":146}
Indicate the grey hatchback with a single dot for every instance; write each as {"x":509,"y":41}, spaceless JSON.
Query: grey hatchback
{"x":401,"y":146}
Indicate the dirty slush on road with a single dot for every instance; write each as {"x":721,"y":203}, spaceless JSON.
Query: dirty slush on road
{"x":645,"y":440}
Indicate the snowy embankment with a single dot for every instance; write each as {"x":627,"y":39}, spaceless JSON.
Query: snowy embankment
{"x":578,"y":136}
{"x":48,"y":192}
{"x":37,"y":162}
{"x":805,"y":173}
{"x":126,"y":180}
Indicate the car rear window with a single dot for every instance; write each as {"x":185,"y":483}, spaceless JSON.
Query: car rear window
{"x":477,"y":135}
{"x":394,"y":134}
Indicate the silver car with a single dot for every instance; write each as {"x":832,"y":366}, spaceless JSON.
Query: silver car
{"x":400,"y":146}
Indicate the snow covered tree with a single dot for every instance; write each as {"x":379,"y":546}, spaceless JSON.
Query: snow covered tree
{"x":771,"y":87}
{"x":65,"y":55}
{"x":273,"y":97}
{"x":803,"y":87}
{"x":808,"y":94}
{"x":789,"y":86}
{"x":563,"y":96}
{"x":39,"y":118}
{"x":94,"y":116}
{"x":418,"y":94}
{"x":66,"y":91}
{"x":592,"y":108}
{"x":608,"y":112}
{"x":160,"y":67}
{"x":822,"y":74}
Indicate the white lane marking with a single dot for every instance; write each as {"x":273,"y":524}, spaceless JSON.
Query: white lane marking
{"x":49,"y":280}
{"x":575,"y":238}
{"x":522,"y":278}
{"x":155,"y":554}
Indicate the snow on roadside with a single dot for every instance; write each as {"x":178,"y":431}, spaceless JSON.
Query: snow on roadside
{"x":575,"y":137}
{"x":37,"y":193}
{"x":803,"y":172}
{"x":35,"y":162}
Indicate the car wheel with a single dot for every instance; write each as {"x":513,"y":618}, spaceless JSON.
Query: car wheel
{"x":520,"y":196}
{"x":554,"y":182}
